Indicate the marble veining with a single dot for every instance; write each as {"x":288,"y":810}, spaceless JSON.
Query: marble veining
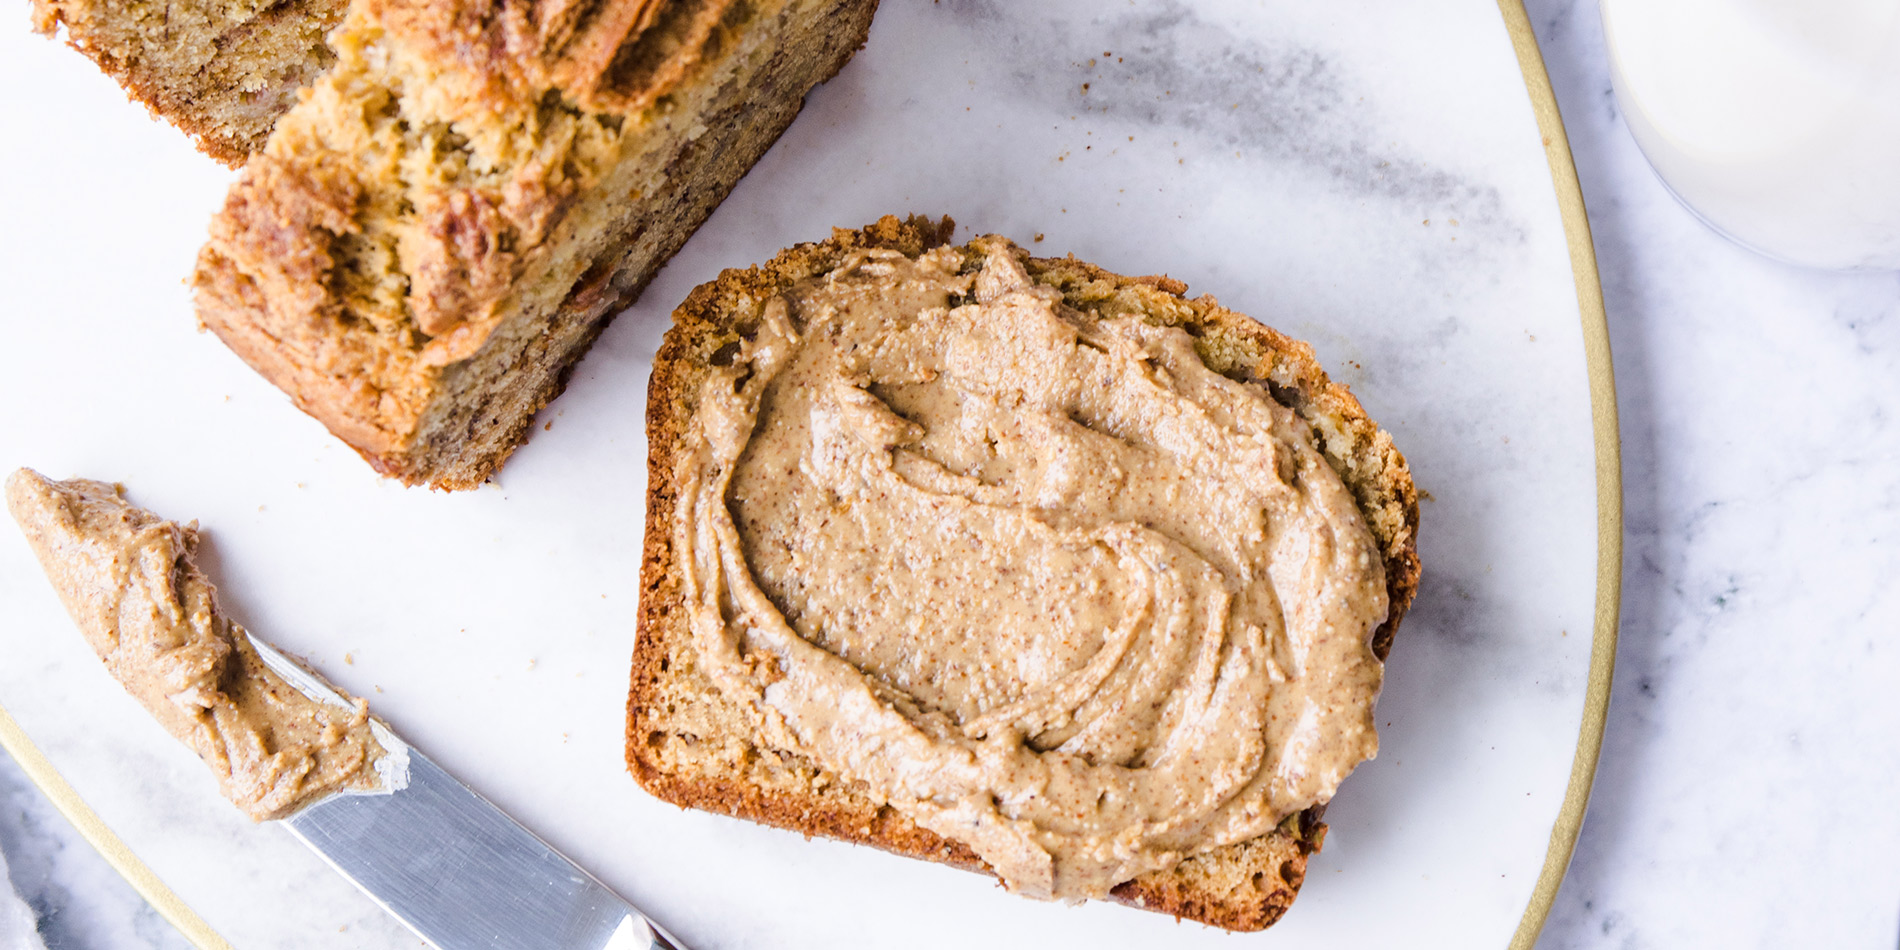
{"x":1173,"y":69}
{"x":1744,"y":798}
{"x":78,"y":900}
{"x":1166,"y":67}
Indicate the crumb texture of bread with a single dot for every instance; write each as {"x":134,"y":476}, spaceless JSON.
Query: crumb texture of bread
{"x":689,"y":744}
{"x":223,"y":71}
{"x":438,"y":230}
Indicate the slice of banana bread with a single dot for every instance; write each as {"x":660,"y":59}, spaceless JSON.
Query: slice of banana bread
{"x":434,"y":235}
{"x":221,"y":70}
{"x":691,"y":742}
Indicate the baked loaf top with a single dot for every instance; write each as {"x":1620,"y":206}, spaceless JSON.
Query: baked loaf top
{"x":461,"y":164}
{"x":697,"y":739}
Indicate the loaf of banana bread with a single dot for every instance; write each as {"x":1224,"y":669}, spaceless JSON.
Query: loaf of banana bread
{"x":440,"y":227}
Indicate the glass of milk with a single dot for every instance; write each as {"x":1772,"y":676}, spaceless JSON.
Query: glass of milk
{"x":1775,"y":121}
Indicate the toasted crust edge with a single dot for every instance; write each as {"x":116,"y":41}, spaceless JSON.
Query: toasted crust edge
{"x":1231,"y":343}
{"x":224,"y":145}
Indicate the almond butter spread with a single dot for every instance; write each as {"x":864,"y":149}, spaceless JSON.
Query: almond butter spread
{"x":128,"y":579}
{"x":1043,"y":583}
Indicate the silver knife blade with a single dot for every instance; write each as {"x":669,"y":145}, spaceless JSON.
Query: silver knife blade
{"x":448,"y":864}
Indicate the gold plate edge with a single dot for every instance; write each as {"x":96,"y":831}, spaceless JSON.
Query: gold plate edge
{"x":40,"y":771}
{"x":1596,"y":349}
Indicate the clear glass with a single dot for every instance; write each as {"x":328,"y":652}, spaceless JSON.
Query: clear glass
{"x":1776,"y":121}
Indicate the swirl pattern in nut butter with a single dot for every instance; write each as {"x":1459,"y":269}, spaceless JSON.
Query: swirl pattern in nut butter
{"x":1045,"y":584}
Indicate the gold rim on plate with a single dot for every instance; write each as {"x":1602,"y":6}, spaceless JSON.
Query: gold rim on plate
{"x":40,"y":771}
{"x":1609,"y":459}
{"x":1596,"y":702}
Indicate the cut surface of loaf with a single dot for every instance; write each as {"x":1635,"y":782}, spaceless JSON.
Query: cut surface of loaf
{"x":438,"y":230}
{"x":220,"y":70}
{"x":690,"y":743}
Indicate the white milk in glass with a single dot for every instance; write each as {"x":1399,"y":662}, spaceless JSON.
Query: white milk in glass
{"x":1777,"y":121}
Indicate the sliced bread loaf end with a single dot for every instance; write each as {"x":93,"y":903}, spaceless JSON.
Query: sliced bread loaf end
{"x":436,"y":233}
{"x":222,"y":71}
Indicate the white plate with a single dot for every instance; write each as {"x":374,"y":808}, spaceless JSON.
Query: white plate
{"x":1367,"y":176}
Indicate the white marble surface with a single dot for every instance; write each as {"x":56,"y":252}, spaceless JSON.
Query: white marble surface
{"x":80,"y":902}
{"x":1744,"y":794}
{"x":19,"y":922}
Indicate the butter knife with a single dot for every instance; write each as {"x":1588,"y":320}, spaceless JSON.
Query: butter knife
{"x":450,"y":865}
